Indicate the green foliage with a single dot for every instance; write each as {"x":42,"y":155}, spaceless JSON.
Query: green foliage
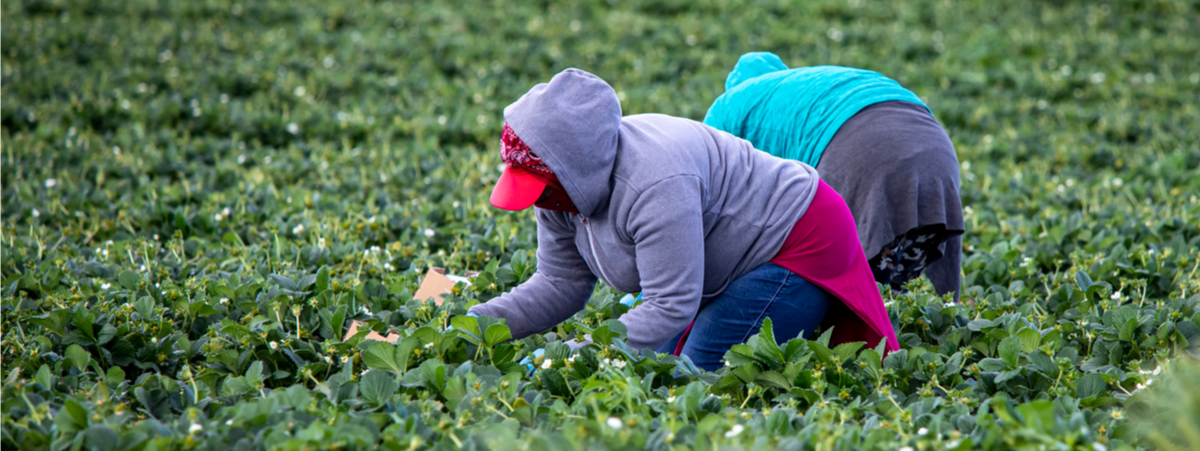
{"x":199,"y":196}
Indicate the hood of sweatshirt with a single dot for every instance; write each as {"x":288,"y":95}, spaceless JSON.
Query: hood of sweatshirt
{"x":751,"y":65}
{"x":573,"y":123}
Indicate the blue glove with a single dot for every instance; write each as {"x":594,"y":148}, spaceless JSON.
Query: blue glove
{"x":528,"y":360}
{"x":629,"y":300}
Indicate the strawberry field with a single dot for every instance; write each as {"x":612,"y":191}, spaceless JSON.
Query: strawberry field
{"x":199,"y":197}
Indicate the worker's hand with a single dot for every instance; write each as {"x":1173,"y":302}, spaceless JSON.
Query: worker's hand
{"x":576,"y":344}
{"x":527,"y":362}
{"x":629,"y":300}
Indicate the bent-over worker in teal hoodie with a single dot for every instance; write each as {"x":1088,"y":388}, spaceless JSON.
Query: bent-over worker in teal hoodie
{"x":875,"y":142}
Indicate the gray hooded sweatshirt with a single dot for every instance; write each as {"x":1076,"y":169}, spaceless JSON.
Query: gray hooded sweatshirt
{"x":667,"y":206}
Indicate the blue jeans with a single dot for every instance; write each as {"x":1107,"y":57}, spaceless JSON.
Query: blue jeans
{"x":794,"y":305}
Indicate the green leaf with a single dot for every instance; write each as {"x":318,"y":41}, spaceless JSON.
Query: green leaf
{"x":873,"y":363}
{"x":502,"y":354}
{"x":456,"y":390}
{"x":285,"y":282}
{"x":1091,"y":385}
{"x":993,"y":365}
{"x":825,"y":337}
{"x":78,"y":357}
{"x":155,"y":402}
{"x":468,"y":324}
{"x":433,"y":374}
{"x":739,"y":355}
{"x":1083,"y":280}
{"x":332,"y":322}
{"x":555,"y":383}
{"x":772,"y":379}
{"x":129,"y":280}
{"x":1030,"y":339}
{"x":145,"y":307}
{"x":322,"y":281}
{"x":1006,"y":376}
{"x":72,"y":417}
{"x":100,"y":437}
{"x":1010,"y":351}
{"x":55,"y":321}
{"x":83,"y":320}
{"x":375,"y":290}
{"x":236,"y":386}
{"x":44,"y":377}
{"x":602,"y":335}
{"x":306,"y":281}
{"x":404,"y":351}
{"x":746,"y":373}
{"x":114,"y":376}
{"x":382,"y":356}
{"x":496,"y":334}
{"x":378,"y":387}
{"x":824,"y":354}
{"x":952,"y":366}
{"x":557,"y":350}
{"x":846,"y":351}
{"x":254,"y":374}
{"x":1038,"y":415}
{"x":1126,"y":331}
{"x":1043,"y":363}
{"x":765,"y":347}
{"x":896,"y":360}
{"x":980,"y":324}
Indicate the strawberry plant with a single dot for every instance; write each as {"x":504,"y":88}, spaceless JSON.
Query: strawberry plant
{"x":200,"y":197}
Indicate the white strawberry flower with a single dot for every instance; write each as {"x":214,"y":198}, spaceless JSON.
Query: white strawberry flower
{"x":734,"y":431}
{"x":546,"y":364}
{"x":614,"y":422}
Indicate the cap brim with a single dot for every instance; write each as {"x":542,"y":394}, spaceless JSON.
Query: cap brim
{"x":517,"y":189}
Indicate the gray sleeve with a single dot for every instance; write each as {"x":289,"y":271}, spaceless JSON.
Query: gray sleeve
{"x":560,"y":287}
{"x":946,"y":273}
{"x":668,"y":233}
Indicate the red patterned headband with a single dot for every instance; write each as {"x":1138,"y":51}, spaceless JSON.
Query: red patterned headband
{"x":513,"y":151}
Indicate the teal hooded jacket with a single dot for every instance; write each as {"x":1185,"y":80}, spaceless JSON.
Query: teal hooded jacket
{"x":794,"y":113}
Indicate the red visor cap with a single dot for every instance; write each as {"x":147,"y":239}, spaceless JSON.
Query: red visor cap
{"x":518,"y":188}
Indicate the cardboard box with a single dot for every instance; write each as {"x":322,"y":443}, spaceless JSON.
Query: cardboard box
{"x":436,"y":284}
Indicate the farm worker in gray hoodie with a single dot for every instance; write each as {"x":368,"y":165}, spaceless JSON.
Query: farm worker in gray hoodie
{"x":716,"y":235}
